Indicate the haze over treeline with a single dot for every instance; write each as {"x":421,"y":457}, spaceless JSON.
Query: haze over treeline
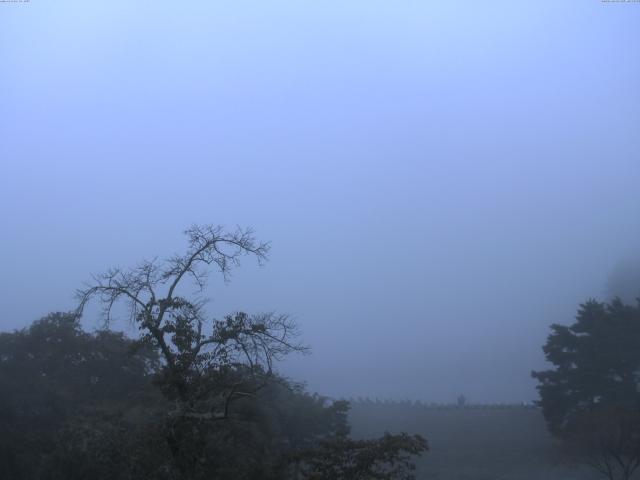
{"x":439,"y":181}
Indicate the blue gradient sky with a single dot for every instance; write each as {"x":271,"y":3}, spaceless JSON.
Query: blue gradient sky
{"x":440,"y":180}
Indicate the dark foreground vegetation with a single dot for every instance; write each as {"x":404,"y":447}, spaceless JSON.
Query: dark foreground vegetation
{"x":591,"y":397}
{"x":189,"y":399}
{"x":193,"y":398}
{"x":78,"y":405}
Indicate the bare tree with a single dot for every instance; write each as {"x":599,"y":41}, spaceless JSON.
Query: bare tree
{"x":207,"y":365}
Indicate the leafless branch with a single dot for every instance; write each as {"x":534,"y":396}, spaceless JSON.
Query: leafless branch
{"x":199,"y":366}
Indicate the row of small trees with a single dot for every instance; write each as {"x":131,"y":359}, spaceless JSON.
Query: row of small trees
{"x":419,"y":404}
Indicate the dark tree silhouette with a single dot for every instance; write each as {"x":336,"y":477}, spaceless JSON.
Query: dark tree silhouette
{"x":206,"y":365}
{"x":216,"y":374}
{"x":53,"y":374}
{"x":591,"y":399}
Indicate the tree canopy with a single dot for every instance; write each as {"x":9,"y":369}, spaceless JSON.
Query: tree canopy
{"x":591,"y":396}
{"x":52,"y":374}
{"x":191,"y":398}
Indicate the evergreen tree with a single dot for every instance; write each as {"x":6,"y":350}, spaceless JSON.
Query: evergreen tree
{"x":590,"y":398}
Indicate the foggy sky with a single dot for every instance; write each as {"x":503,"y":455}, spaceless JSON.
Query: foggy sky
{"x":440,"y":181}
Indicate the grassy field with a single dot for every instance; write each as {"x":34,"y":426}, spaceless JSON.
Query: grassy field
{"x":473,"y":443}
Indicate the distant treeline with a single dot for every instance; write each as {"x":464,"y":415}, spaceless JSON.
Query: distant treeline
{"x":363,"y":402}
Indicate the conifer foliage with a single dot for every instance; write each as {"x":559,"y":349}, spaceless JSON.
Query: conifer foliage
{"x":591,"y":396}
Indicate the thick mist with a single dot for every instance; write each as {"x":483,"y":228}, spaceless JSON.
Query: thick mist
{"x":440,"y":181}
